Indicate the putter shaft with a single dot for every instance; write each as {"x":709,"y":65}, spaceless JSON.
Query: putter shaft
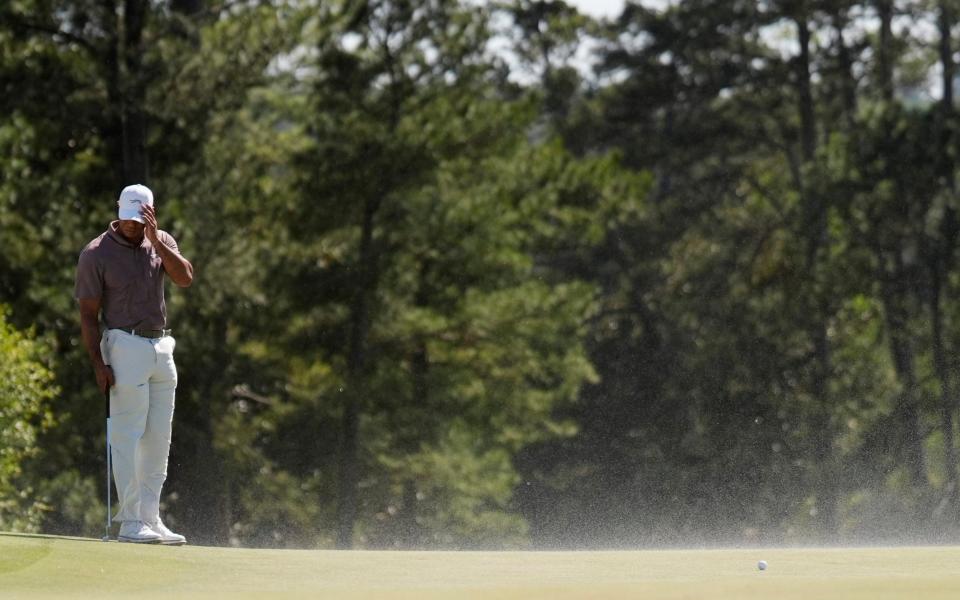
{"x":106,"y":532}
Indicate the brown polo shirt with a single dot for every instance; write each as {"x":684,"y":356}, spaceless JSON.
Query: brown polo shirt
{"x":127,"y":277}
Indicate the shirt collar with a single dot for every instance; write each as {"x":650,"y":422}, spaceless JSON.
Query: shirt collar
{"x":116,"y":236}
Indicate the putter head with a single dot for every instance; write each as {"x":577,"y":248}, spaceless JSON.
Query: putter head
{"x":105,"y":538}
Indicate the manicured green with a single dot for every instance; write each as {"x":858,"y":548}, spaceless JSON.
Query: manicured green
{"x":56,"y":567}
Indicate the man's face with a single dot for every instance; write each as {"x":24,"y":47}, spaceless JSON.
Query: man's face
{"x":132,"y":230}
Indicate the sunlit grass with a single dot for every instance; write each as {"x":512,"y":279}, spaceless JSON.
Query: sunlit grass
{"x":51,"y":567}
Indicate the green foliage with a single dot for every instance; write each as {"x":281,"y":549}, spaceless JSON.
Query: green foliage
{"x":463,"y":494}
{"x":706,"y":292}
{"x":73,"y":503}
{"x":279,"y":511}
{"x":26,"y":389}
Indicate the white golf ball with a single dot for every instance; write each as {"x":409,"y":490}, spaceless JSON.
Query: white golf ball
{"x":762,"y":565}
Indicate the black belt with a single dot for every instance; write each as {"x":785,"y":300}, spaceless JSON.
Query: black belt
{"x":148,"y":333}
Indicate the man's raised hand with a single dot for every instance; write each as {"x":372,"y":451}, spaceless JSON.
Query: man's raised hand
{"x":150,"y":226}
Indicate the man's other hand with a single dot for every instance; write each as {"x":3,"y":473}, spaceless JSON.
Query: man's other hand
{"x":105,"y":379}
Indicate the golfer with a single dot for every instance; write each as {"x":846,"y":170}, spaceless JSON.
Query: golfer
{"x":120,"y":276}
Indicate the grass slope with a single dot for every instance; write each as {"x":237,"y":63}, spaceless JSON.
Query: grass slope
{"x":57,"y":567}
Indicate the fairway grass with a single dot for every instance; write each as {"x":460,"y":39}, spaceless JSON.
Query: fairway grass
{"x":58,"y":567}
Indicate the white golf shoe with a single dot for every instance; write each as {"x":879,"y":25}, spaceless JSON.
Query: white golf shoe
{"x":137,"y":532}
{"x":167,"y":537}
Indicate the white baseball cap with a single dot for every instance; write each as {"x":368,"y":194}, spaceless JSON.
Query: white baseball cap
{"x":131,"y":199}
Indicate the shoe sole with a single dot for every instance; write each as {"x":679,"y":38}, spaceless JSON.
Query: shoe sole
{"x":183,"y":543}
{"x":134,"y":541}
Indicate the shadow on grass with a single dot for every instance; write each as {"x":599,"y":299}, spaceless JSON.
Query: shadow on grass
{"x":42,"y":536}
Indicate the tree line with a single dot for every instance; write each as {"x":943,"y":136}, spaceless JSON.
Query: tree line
{"x":460,"y":287}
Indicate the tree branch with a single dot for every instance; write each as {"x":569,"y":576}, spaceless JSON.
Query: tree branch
{"x":24,"y":25}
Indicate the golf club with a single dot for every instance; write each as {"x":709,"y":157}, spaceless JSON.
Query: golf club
{"x":106,"y":404}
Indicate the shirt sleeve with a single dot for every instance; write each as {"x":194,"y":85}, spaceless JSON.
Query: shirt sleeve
{"x":169,"y":240}
{"x":89,"y":284}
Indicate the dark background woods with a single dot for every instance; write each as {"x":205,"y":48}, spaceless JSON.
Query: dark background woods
{"x":458,"y":288}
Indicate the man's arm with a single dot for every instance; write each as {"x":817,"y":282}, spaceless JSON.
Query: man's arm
{"x":177,"y":267}
{"x":90,"y":330}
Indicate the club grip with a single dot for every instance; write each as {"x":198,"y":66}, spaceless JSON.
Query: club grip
{"x":106,"y":403}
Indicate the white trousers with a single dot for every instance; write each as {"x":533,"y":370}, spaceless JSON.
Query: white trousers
{"x":141,"y":419}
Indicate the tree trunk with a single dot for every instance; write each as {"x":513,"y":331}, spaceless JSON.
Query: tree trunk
{"x":827,"y":491}
{"x":944,"y":24}
{"x":942,"y":253}
{"x":848,"y":85}
{"x":186,"y":7}
{"x":409,"y":529}
{"x":885,"y":51}
{"x":946,"y":392}
{"x":133,"y":115}
{"x":356,"y":371}
{"x":112,"y":77}
{"x":125,"y":127}
{"x":907,"y":412}
{"x":825,"y":472}
{"x":410,"y":532}
{"x":664,"y":169}
{"x":805,"y":93}
{"x":813,"y":208}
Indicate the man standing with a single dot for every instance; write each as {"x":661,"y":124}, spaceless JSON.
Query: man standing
{"x":120,"y":275}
